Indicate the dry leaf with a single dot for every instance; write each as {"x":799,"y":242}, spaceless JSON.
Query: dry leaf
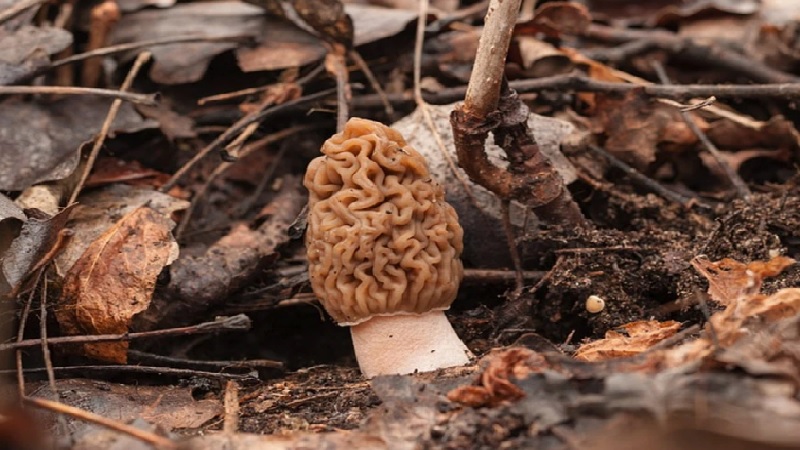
{"x":40,"y":141}
{"x":637,"y":337}
{"x":494,"y":385}
{"x":730,"y":281}
{"x":114,"y":280}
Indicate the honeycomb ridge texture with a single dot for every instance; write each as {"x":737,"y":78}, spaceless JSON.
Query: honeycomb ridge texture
{"x":381,"y":239}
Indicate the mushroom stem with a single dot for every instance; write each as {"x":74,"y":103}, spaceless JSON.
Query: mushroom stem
{"x":404,"y":344}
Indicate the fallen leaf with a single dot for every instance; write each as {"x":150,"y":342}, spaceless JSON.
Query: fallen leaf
{"x":114,"y":280}
{"x":100,"y":209}
{"x":372,"y":23}
{"x":635,"y":126}
{"x":730,"y":281}
{"x":281,"y":44}
{"x":555,"y":18}
{"x":40,"y":140}
{"x":40,"y":236}
{"x":172,"y":408}
{"x":495,"y":384}
{"x":635,"y":339}
{"x":27,"y":48}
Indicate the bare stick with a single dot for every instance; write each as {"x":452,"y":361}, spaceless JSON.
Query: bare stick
{"x":141,"y":99}
{"x":87,"y":416}
{"x":373,"y":81}
{"x":483,"y":90}
{"x":741,"y":187}
{"x":48,"y":362}
{"x":580,"y":83}
{"x":136,"y":369}
{"x":104,"y":130}
{"x":238,"y":323}
{"x":230,"y":422}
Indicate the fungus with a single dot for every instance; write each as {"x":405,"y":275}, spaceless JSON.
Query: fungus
{"x":384,"y":250}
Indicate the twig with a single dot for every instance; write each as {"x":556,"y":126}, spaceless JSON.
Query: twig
{"x":250,"y":91}
{"x":483,"y":91}
{"x":224,"y":166}
{"x":102,"y":17}
{"x":741,"y":187}
{"x":193,"y":363}
{"x":336,"y":64}
{"x":580,"y":83}
{"x":141,"y":99}
{"x":268,"y":175}
{"x":235,"y":323}
{"x":256,"y":116}
{"x":158,"y":370}
{"x":644,"y":181}
{"x":23,"y":321}
{"x":230,"y":423}
{"x":18,"y":8}
{"x":106,"y":128}
{"x":716,"y":56}
{"x":48,"y":362}
{"x":87,"y":416}
{"x":512,"y":248}
{"x":376,"y":85}
{"x":423,"y":106}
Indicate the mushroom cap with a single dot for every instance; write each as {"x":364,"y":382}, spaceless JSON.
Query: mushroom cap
{"x":381,"y":239}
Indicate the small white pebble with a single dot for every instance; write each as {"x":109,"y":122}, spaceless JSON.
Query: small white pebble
{"x":595,"y":304}
{"x":774,"y":253}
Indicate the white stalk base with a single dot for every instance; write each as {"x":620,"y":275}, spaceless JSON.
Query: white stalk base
{"x":402,"y":344}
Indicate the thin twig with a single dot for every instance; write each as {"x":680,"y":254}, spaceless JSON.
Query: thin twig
{"x":141,"y":99}
{"x":580,"y":83}
{"x":256,"y":116}
{"x":250,"y":91}
{"x":741,"y":187}
{"x":223,"y":167}
{"x":196,"y":363}
{"x":423,"y":106}
{"x":337,"y":65}
{"x":106,"y":128}
{"x":158,"y":370}
{"x":644,"y":181}
{"x":23,"y":321}
{"x":376,"y":85}
{"x":87,"y":416}
{"x":235,"y":323}
{"x":48,"y":362}
{"x":512,"y":247}
{"x":18,"y":8}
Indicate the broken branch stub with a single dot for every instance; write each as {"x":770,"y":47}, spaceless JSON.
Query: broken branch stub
{"x":530,"y":179}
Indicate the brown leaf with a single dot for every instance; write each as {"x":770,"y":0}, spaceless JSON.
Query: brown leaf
{"x":635,"y":126}
{"x":494,"y":385}
{"x":637,"y":337}
{"x":555,"y":18}
{"x":729,"y":280}
{"x":114,"y":280}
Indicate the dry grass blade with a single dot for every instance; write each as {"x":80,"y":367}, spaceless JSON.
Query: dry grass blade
{"x":141,"y":99}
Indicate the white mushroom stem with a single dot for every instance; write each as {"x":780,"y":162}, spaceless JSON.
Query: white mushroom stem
{"x":402,"y":344}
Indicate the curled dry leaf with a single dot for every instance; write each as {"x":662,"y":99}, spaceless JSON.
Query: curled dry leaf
{"x":730,"y":281}
{"x":495,"y":384}
{"x":635,"y":338}
{"x":115,"y":278}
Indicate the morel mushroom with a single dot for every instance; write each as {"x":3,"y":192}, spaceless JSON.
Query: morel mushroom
{"x":383,"y":250}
